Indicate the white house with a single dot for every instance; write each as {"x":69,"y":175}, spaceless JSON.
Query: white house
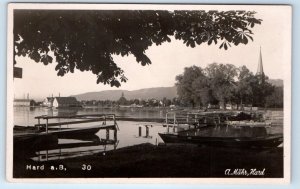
{"x":48,"y":102}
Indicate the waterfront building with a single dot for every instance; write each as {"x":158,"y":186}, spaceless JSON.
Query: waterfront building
{"x":48,"y":102}
{"x":65,"y":102}
{"x":24,"y":102}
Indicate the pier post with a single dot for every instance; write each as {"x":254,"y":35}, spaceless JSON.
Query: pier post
{"x":107,"y":134}
{"x":174,"y":121}
{"x":114,"y":118}
{"x":167,"y":119}
{"x":140,"y":131}
{"x":47,"y":125}
{"x":168,"y":129}
{"x":147,"y":131}
{"x":104,"y":122}
{"x":115,"y":134}
{"x":39,"y":122}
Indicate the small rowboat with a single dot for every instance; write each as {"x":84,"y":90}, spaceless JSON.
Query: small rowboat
{"x":258,"y":142}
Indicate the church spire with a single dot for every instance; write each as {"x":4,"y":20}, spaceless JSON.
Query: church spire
{"x":260,"y":69}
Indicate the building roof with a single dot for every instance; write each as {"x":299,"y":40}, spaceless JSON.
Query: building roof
{"x":50,"y":99}
{"x":66,"y":100}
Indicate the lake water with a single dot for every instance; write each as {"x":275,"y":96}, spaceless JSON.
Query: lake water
{"x":127,"y":135}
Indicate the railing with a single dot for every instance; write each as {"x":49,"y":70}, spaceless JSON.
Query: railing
{"x":189,"y":118}
{"x":87,"y":118}
{"x":201,"y":119}
{"x":174,"y":119}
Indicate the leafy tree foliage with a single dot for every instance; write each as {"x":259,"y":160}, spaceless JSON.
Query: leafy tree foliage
{"x":261,"y":90}
{"x":87,"y":39}
{"x":275,"y":100}
{"x":243,"y":89}
{"x":187,"y":85}
{"x":224,"y":83}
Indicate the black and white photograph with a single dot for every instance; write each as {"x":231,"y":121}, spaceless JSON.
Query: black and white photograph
{"x":149,"y":92}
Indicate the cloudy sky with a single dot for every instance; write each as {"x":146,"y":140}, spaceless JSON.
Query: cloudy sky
{"x":169,"y":60}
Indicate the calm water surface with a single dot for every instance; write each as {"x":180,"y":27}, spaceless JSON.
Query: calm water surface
{"x":128,"y":134}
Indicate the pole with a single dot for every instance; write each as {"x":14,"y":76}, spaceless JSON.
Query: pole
{"x":114,"y":118}
{"x":115,"y":134}
{"x":140,"y":131}
{"x":174,"y":123}
{"x":46,"y":125}
{"x":104,"y":122}
{"x":39,"y":122}
{"x":167,"y":119}
{"x":147,"y":131}
{"x":107,"y":134}
{"x":174,"y":120}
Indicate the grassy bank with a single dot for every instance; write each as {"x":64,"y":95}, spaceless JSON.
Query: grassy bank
{"x":146,"y":160}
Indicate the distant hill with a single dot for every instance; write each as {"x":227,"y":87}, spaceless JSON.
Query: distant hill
{"x":157,"y":93}
{"x":147,"y":93}
{"x":276,"y":82}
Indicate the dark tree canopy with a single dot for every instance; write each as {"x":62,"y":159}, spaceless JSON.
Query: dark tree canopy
{"x":221,"y":77}
{"x":224,"y":83}
{"x":188,"y":84}
{"x":87,"y":39}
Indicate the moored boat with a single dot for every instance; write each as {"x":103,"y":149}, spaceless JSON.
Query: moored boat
{"x":258,"y":142}
{"x":227,"y":133}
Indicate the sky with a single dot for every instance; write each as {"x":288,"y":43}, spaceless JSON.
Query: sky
{"x":169,"y":60}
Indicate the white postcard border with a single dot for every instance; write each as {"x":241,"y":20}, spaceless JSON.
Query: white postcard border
{"x":10,"y":94}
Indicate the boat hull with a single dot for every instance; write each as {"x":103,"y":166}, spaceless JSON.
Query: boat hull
{"x":258,"y":142}
{"x":75,"y":133}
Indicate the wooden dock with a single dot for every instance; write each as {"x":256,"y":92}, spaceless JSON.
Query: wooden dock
{"x":49,"y":132}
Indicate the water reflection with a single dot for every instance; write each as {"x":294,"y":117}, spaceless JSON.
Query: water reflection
{"x":86,"y":144}
{"x":75,"y":148}
{"x":65,"y":148}
{"x":130,"y":133}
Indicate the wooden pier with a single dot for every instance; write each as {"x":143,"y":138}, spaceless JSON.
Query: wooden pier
{"x":79,"y":119}
{"x":50,"y":128}
{"x":190,"y":120}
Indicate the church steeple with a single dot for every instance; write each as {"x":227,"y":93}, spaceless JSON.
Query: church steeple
{"x":260,"y":69}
